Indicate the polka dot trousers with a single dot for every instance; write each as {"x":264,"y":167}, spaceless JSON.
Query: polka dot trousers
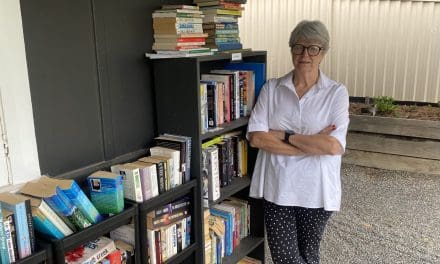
{"x":294,"y":233}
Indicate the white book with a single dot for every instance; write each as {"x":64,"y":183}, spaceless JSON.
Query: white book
{"x":173,"y":238}
{"x":151,"y":246}
{"x":148,"y":176}
{"x":203,"y":108}
{"x":95,"y":250}
{"x":176,"y":174}
{"x":183,"y":221}
{"x":213,"y":173}
{"x":131,"y":180}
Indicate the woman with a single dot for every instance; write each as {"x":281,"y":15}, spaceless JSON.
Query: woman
{"x":299,"y":123}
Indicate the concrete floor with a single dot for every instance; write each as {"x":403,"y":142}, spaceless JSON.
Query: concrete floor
{"x":386,"y":217}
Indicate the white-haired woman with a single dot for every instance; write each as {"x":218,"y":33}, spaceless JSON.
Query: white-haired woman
{"x":299,"y":124}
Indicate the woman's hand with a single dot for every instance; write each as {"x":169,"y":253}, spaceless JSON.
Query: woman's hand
{"x":327,"y":130}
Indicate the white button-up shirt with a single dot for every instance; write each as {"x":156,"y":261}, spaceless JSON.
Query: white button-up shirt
{"x":311,"y":181}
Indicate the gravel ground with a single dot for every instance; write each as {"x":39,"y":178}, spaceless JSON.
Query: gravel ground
{"x":386,"y":217}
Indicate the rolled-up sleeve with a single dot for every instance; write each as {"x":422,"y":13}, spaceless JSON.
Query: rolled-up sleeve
{"x":259,"y":120}
{"x":340,"y":116}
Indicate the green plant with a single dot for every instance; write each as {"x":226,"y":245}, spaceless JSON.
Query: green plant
{"x":384,"y":104}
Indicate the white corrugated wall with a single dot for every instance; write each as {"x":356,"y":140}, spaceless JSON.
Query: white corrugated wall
{"x":378,"y":47}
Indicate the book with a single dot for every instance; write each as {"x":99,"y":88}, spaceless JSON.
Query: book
{"x":78,"y":197}
{"x":179,"y":144}
{"x":226,"y":80}
{"x":176,"y":173}
{"x":131,"y":180}
{"x":91,"y":252}
{"x":17,"y":205}
{"x":166,"y":163}
{"x":211,"y":172}
{"x":151,"y":246}
{"x":106,"y":192}
{"x":171,"y":207}
{"x":229,"y":229}
{"x":180,"y":6}
{"x":44,"y":226}
{"x":127,"y":250}
{"x":148,"y":174}
{"x":44,"y":209}
{"x":166,"y":219}
{"x":4,"y":254}
{"x":188,"y":146}
{"x":11,"y":241}
{"x":58,"y":201}
{"x":160,"y":172}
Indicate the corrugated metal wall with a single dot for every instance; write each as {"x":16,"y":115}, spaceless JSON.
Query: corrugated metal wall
{"x":378,"y":47}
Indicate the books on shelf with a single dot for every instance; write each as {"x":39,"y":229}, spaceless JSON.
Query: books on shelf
{"x":77,"y":196}
{"x":4,"y":254}
{"x":106,"y":192}
{"x":21,"y":209}
{"x":58,"y":201}
{"x":148,"y":173}
{"x":175,"y":172}
{"x":125,"y":233}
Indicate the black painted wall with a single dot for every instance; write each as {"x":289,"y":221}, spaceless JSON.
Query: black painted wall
{"x":91,"y":86}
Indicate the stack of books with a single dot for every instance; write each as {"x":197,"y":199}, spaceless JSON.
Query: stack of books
{"x":221,"y":23}
{"x":178,"y":32}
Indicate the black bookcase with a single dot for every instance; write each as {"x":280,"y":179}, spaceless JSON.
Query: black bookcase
{"x":177,"y":93}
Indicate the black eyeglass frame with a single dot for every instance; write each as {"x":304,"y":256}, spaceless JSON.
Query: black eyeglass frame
{"x":306,"y":48}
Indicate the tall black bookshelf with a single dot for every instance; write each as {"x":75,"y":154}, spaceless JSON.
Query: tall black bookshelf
{"x":177,"y":93}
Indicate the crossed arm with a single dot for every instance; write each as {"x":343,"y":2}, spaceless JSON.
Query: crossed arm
{"x":318,"y":144}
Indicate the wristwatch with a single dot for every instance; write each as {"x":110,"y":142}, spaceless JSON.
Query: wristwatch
{"x":287,"y":135}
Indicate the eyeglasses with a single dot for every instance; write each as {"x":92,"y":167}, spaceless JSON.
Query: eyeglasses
{"x":312,"y":50}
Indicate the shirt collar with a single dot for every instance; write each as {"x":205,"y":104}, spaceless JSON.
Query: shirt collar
{"x":323,"y":81}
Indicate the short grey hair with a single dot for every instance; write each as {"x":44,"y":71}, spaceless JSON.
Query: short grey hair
{"x":310,"y":30}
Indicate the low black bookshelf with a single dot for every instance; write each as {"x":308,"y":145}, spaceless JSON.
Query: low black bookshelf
{"x":177,"y":92}
{"x":129,"y":214}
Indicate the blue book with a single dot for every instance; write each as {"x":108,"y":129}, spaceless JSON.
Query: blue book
{"x":72,"y":190}
{"x":44,"y":226}
{"x":59,"y":202}
{"x":257,"y":67}
{"x":17,"y":205}
{"x":106,"y":192}
{"x":4,"y":254}
{"x":229,"y":239}
{"x":229,"y":46}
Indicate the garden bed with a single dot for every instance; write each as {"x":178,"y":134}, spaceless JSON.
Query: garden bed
{"x":395,"y":143}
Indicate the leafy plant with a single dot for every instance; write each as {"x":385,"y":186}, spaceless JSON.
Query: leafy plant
{"x":384,"y":104}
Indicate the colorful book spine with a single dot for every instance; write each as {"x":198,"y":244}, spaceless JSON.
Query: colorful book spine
{"x":21,"y":228}
{"x":45,"y":209}
{"x":8,"y":225}
{"x":79,"y":199}
{"x":229,"y":238}
{"x":61,"y":203}
{"x":4,"y":255}
{"x":44,"y":226}
{"x":30,"y":223}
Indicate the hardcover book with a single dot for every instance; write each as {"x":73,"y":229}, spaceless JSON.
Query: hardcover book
{"x":106,"y":191}
{"x":17,"y":205}
{"x":78,"y":198}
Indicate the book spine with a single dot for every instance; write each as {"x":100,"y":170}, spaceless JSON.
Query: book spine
{"x":183,"y":235}
{"x":158,"y":246}
{"x":151,"y":247}
{"x":145,"y":183}
{"x":30,"y":223}
{"x":21,"y":228}
{"x":54,"y":218}
{"x":188,"y":231}
{"x":161,"y":177}
{"x":56,"y":205}
{"x":4,"y":254}
{"x":213,"y":174}
{"x":228,"y":229}
{"x":44,"y":226}
{"x":8,"y":224}
{"x":153,"y":180}
{"x":179,"y":236}
{"x":79,"y":199}
{"x":167,"y":219}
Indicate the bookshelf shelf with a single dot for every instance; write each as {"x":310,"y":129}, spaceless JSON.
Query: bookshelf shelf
{"x":237,"y":185}
{"x":178,"y":105}
{"x":167,"y":197}
{"x":247,"y":245}
{"x":61,"y":246}
{"x":227,"y":127}
{"x":182,"y":256}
